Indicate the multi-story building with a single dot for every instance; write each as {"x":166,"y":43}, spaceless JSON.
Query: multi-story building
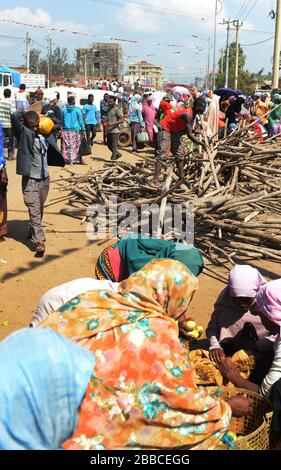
{"x":100,"y":60}
{"x":149,"y":74}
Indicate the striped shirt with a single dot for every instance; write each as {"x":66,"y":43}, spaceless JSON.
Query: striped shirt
{"x":7,"y":108}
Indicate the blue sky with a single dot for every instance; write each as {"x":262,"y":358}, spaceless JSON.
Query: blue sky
{"x":176,"y":22}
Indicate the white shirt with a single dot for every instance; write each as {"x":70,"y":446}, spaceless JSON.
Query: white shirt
{"x":275,"y":371}
{"x":55,"y":298}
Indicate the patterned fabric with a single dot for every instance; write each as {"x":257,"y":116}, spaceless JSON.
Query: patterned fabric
{"x":7,"y":108}
{"x":103,"y":267}
{"x":142,"y":394}
{"x":71,"y":141}
{"x":3,"y":214}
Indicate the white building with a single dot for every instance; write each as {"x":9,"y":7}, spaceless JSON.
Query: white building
{"x":149,"y":74}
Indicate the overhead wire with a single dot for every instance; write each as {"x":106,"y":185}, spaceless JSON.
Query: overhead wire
{"x":241,"y":9}
{"x":257,"y":43}
{"x":251,"y":9}
{"x":158,"y":11}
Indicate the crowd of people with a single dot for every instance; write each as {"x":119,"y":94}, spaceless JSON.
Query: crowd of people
{"x":102,"y":365}
{"x":172,"y":124}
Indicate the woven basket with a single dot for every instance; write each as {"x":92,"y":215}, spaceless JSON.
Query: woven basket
{"x":255,"y":427}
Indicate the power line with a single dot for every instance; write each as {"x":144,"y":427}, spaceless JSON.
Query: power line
{"x":155,"y":10}
{"x":256,"y":43}
{"x":245,"y":8}
{"x":10,"y":37}
{"x":251,"y":9}
{"x":40,"y":45}
{"x":241,"y":9}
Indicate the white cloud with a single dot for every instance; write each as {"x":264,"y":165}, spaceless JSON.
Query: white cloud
{"x":25,"y":15}
{"x":41,"y":18}
{"x":138,"y":18}
{"x":6,"y":43}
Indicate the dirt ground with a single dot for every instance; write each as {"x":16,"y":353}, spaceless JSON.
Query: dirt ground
{"x":69,"y":254}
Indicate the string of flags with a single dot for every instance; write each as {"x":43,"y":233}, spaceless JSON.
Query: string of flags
{"x":80,"y":33}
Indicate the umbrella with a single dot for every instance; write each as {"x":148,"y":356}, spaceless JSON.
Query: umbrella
{"x":156,"y":97}
{"x":181,"y":90}
{"x":228,"y":92}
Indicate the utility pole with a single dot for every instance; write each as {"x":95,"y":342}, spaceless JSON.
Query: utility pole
{"x":228,"y":22}
{"x":50,"y":58}
{"x":208,"y":63}
{"x":27,"y":44}
{"x":215,"y":44}
{"x":237,"y":25}
{"x":222,"y":61}
{"x":215,"y":41}
{"x":85,"y":64}
{"x":276,"y":58}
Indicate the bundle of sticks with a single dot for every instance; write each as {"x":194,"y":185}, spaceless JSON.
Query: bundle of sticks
{"x":234,"y":188}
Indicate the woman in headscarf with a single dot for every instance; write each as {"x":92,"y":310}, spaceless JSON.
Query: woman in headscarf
{"x":143,"y":393}
{"x":268,"y":301}
{"x":3,"y":189}
{"x":233,"y":111}
{"x":165,"y":108}
{"x":44,"y":378}
{"x":236,"y":323}
{"x":274,"y":119}
{"x":73,"y":127}
{"x":260,"y":108}
{"x":149,"y":113}
{"x":269,"y":304}
{"x":135,"y":119}
{"x":129,"y":255}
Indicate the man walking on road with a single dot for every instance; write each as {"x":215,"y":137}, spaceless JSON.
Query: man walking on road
{"x":115,"y":118}
{"x":104,"y":107}
{"x":35,"y":152}
{"x":90,"y":113}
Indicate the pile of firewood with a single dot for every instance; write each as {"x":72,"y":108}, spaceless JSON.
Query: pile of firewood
{"x":235,"y":189}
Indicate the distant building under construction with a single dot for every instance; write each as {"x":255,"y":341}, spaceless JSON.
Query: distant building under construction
{"x":100,"y":60}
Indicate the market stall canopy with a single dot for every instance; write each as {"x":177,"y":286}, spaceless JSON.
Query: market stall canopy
{"x":14,"y":73}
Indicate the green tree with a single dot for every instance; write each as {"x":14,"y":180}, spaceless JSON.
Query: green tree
{"x":232,"y":59}
{"x":61,"y":63}
{"x":247,"y":81}
{"x":34,"y":60}
{"x":60,"y":59}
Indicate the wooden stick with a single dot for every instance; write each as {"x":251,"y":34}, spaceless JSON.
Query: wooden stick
{"x":210,"y":155}
{"x":163,"y":204}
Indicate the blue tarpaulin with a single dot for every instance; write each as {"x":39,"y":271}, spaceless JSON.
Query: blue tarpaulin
{"x":15,"y":75}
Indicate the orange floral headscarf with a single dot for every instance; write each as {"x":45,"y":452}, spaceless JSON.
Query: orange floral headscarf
{"x":163,"y":288}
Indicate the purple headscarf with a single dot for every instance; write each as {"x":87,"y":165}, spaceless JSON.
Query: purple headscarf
{"x":245,"y":281}
{"x":269,"y":301}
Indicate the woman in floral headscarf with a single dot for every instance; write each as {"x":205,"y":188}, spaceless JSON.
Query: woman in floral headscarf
{"x":143,"y":393}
